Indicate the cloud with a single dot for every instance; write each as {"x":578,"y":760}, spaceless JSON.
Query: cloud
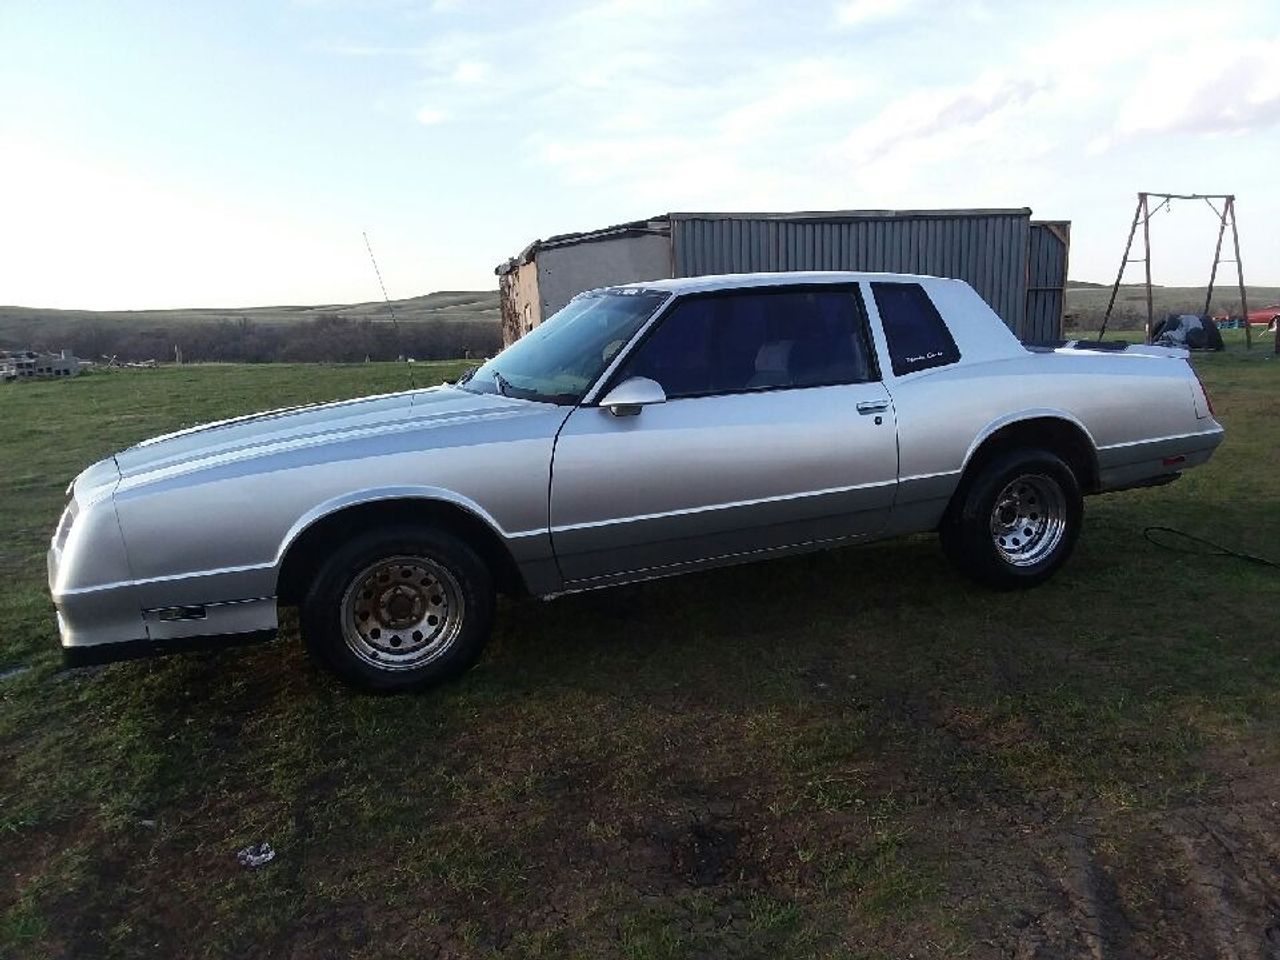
{"x":857,"y":13}
{"x":802,"y":88}
{"x":736,"y":135}
{"x":1223,"y":97}
{"x":372,"y":50}
{"x":571,"y":68}
{"x":904,"y":124}
{"x":627,"y":107}
{"x":775,"y":133}
{"x":471,"y":71}
{"x":429,"y":116}
{"x":670,"y":172}
{"x":1129,"y":72}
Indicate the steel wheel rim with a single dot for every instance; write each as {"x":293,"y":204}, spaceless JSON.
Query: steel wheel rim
{"x":402,"y":612}
{"x":1028,"y":520}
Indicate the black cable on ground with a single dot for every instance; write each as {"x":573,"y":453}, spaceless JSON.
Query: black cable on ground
{"x":1215,"y":549}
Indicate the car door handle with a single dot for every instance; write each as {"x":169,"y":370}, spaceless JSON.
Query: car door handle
{"x":873,"y":406}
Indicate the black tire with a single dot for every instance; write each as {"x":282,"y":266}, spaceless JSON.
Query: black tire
{"x":431,"y":576}
{"x":1034,"y":491}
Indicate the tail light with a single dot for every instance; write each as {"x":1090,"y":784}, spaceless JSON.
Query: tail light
{"x":1204,"y":392}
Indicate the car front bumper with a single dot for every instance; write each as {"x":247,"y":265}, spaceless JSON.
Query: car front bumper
{"x":106,"y":624}
{"x":105,"y":614}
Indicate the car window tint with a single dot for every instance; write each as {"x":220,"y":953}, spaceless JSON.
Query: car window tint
{"x":758,"y":340}
{"x":918,"y":338}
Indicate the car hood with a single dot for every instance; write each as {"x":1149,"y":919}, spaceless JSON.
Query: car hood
{"x":313,"y":424}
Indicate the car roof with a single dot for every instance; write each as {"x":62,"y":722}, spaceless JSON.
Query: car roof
{"x":732,"y":281}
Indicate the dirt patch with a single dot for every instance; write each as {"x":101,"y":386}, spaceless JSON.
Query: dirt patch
{"x":1201,"y":880}
{"x":703,"y":855}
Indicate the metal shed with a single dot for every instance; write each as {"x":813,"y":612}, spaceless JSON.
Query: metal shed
{"x":1047,"y":258}
{"x":1018,"y":266}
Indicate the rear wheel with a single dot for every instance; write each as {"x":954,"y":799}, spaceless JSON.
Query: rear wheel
{"x":1015,"y":522}
{"x":399,"y":609}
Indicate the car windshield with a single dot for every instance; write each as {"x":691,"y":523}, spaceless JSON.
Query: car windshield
{"x":560,"y":358}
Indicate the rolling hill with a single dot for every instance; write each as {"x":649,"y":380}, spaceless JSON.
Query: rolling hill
{"x":438,"y":325}
{"x":459,"y":306}
{"x":1087,"y":302}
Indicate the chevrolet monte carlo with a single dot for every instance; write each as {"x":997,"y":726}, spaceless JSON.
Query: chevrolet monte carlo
{"x":644,"y":430}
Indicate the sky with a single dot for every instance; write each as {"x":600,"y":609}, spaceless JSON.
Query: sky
{"x":160,"y":154}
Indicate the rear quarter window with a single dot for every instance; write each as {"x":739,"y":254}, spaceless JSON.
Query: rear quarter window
{"x":918,"y":337}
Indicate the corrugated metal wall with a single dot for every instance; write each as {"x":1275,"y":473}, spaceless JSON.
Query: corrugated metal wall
{"x":986,"y":248}
{"x":1046,"y":280}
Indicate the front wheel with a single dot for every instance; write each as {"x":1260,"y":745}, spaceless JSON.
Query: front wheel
{"x":399,"y":609}
{"x":1016,"y":521}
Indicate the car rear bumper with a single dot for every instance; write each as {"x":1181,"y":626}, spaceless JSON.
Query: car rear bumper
{"x":1146,"y":463}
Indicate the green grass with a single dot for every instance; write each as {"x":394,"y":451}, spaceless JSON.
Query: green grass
{"x":855,"y":754}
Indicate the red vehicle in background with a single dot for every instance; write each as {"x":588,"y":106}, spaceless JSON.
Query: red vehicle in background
{"x":1265,"y":317}
{"x":1262,"y":317}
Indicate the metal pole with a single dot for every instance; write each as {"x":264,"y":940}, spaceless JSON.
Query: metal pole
{"x":1124,"y":260}
{"x":1146,"y":242}
{"x":1244,"y":303}
{"x":1217,"y":255}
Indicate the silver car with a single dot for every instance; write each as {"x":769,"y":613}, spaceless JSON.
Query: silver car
{"x":643,"y":431}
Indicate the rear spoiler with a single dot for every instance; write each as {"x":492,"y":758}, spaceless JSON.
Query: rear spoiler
{"x":1109,"y":346}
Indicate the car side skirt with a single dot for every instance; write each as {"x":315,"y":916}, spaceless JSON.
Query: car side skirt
{"x":711,"y":563}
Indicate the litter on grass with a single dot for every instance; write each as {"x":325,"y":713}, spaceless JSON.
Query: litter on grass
{"x":257,"y":855}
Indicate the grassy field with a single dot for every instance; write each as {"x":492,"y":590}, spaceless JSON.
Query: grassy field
{"x":855,"y":754}
{"x":1087,"y":302}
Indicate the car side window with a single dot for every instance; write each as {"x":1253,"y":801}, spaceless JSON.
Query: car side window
{"x":917,"y":335}
{"x":738,"y":342}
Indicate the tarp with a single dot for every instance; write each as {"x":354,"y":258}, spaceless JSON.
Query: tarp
{"x":1187,"y":330}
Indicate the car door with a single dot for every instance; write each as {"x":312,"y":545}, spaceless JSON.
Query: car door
{"x":776,"y":431}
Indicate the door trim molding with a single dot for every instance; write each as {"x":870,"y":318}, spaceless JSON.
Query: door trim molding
{"x":688,"y":511}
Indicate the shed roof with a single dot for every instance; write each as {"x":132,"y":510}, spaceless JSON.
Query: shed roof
{"x":860,"y":214}
{"x":661,"y":224}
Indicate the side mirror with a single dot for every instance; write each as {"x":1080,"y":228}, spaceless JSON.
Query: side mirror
{"x":626,"y":399}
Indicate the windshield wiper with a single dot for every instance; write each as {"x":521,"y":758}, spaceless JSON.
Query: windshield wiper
{"x":506,"y":388}
{"x":467,"y":376}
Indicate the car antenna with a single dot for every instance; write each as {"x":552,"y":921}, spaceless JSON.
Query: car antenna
{"x":395,"y":324}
